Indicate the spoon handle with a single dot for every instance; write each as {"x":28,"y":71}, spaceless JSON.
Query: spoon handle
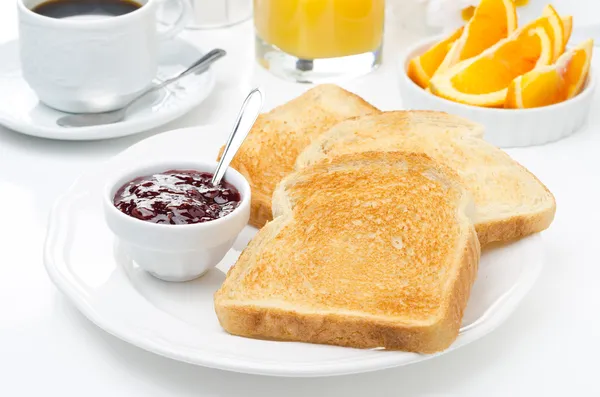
{"x":203,"y":62}
{"x":244,"y":122}
{"x":208,"y":58}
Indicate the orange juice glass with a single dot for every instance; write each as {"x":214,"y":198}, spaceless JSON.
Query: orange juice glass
{"x":318,"y":40}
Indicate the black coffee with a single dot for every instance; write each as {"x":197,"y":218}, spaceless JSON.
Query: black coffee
{"x":85,"y":8}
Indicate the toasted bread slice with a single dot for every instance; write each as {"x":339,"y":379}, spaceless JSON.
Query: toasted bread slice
{"x":510,"y":201}
{"x":370,"y":250}
{"x":269,"y":151}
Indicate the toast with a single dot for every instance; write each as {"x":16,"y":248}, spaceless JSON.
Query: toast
{"x":268,"y":153}
{"x":372,"y":249}
{"x":510,"y":201}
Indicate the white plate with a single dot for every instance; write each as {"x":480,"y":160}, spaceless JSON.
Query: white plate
{"x":177,"y":320}
{"x":21,"y":111}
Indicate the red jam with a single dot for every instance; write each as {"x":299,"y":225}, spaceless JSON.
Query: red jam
{"x":177,"y":197}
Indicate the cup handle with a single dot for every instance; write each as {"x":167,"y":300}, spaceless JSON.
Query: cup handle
{"x":171,"y":29}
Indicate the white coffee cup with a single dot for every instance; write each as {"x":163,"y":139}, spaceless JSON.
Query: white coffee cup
{"x":82,"y":65}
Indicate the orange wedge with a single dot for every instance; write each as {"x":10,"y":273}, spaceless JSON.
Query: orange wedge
{"x":552,"y":84}
{"x":557,"y":31}
{"x":492,"y":21}
{"x":422,"y":67}
{"x":568,"y":28}
{"x":483,"y":80}
{"x":467,"y":12}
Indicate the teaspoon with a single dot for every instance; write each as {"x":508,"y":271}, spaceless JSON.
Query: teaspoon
{"x":243,"y":123}
{"x":92,"y":119}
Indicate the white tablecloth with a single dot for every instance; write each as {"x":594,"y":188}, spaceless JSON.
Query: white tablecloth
{"x":549,"y":346}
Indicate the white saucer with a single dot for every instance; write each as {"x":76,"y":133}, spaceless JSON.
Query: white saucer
{"x":21,"y":111}
{"x":177,"y":320}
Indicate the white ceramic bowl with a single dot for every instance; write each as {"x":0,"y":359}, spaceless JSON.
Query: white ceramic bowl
{"x":503,"y":127}
{"x":176,"y":252}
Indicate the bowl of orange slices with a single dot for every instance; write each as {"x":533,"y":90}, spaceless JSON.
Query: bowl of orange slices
{"x":523,"y":83}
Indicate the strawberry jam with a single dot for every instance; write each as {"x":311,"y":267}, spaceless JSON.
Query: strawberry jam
{"x":177,"y":197}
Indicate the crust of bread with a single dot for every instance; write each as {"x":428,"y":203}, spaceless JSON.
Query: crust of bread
{"x":260,"y":211}
{"x":514,"y":228}
{"x":290,"y":322}
{"x":503,"y":230}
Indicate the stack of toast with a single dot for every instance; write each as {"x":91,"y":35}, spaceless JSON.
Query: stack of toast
{"x":374,"y":223}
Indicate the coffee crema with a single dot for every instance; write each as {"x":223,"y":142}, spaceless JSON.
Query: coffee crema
{"x":85,"y":8}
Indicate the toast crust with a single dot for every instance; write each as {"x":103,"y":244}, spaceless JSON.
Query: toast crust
{"x":515,"y":227}
{"x":260,"y":211}
{"x":276,"y":320}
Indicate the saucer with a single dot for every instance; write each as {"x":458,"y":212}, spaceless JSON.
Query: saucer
{"x":21,"y":111}
{"x":178,"y":320}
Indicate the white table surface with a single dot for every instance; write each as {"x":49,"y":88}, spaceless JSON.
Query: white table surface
{"x":549,"y":347}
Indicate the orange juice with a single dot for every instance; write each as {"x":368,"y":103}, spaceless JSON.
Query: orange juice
{"x":313,"y":29}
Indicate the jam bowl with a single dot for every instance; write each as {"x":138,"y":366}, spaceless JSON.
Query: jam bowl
{"x":171,"y":221}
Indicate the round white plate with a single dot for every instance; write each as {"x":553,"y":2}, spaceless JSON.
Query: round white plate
{"x":177,"y":320}
{"x":21,"y":111}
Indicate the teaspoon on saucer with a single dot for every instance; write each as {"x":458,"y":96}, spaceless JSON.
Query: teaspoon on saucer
{"x":243,"y":123}
{"x":93,"y":119}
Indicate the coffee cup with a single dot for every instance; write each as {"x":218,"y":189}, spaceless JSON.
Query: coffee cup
{"x":90,"y":56}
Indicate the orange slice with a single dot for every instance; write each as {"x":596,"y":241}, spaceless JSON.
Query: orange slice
{"x":568,"y":28}
{"x":554,"y":83}
{"x":553,"y":25}
{"x":422,"y":67}
{"x":467,"y":12}
{"x":557,"y":30}
{"x":492,"y":21}
{"x":484,"y":79}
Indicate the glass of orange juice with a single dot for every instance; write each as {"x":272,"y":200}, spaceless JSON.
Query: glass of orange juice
{"x":318,"y":40}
